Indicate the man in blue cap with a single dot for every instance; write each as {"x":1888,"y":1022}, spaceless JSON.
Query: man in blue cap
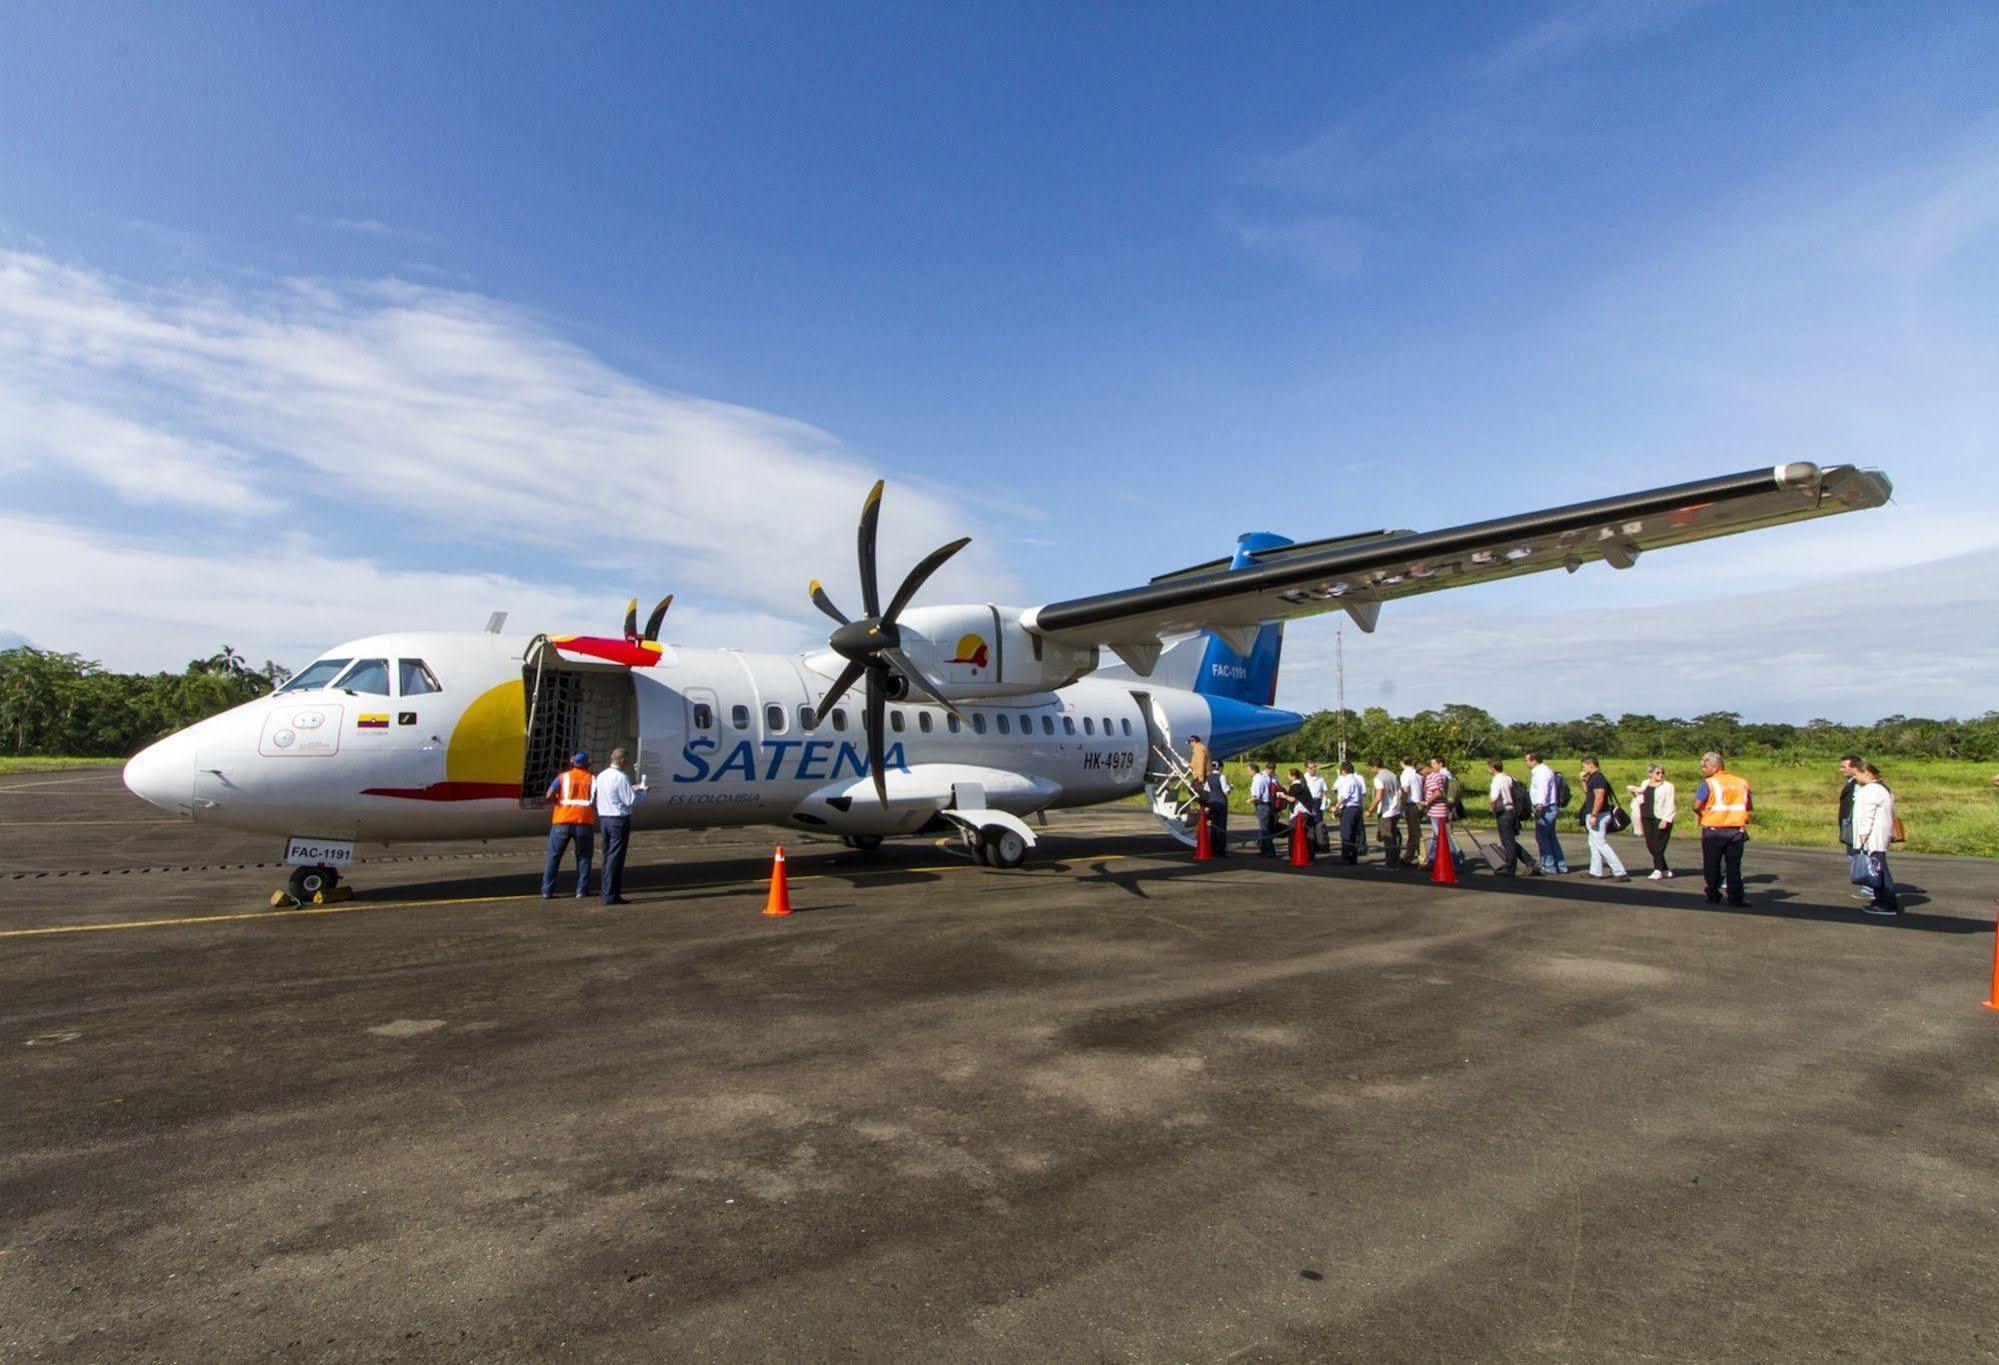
{"x":574,"y":821}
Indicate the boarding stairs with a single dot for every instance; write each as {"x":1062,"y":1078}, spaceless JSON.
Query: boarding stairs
{"x":1169,"y":791}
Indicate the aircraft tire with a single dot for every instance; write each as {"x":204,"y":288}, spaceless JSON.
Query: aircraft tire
{"x":307,"y":882}
{"x":866,"y":843}
{"x":1002,"y":848}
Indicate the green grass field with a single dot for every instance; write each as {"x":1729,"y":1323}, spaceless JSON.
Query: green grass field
{"x":46,"y":765}
{"x":1946,"y":806}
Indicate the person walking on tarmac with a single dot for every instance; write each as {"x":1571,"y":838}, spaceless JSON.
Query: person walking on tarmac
{"x":573,"y":822}
{"x":615,"y":798}
{"x":1723,"y":803}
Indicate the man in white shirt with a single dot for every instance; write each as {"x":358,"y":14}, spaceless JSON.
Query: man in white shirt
{"x":1541,"y":796}
{"x":615,"y":798}
{"x":1386,"y":807}
{"x":1508,"y":820}
{"x":1412,"y":812}
{"x":1350,"y":799}
{"x":1316,"y":785}
{"x":1263,"y":800}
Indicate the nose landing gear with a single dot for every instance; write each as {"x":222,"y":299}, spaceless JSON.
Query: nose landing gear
{"x":311,"y":886}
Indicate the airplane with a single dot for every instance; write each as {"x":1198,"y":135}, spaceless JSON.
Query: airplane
{"x":961,"y":719}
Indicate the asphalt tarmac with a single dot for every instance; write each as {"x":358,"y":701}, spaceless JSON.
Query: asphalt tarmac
{"x":1114,"y":1106}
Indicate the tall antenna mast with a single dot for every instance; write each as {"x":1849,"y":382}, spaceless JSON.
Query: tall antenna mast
{"x":1340,"y":670}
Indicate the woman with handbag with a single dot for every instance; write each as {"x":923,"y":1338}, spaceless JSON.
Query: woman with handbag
{"x":1654,"y":801}
{"x":1600,"y":818}
{"x":1874,"y":830}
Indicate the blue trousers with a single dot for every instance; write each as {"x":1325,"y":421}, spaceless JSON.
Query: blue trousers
{"x":1550,"y":844}
{"x":617,"y":839}
{"x":559,"y":838}
{"x":1266,"y":830}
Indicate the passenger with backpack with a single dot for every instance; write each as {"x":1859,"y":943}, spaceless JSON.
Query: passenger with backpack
{"x":1547,"y":793}
{"x":1510,"y":808}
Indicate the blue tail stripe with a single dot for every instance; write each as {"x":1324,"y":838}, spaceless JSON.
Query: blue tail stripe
{"x":1224,"y":673}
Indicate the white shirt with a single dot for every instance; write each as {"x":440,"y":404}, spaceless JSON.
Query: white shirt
{"x":615,"y":794}
{"x":1316,"y":785}
{"x":1389,"y":787}
{"x":1541,"y":786}
{"x":1412,"y":784}
{"x":1260,"y":787}
{"x":1349,"y":791}
{"x":1502,"y":791}
{"x":1873,"y":817}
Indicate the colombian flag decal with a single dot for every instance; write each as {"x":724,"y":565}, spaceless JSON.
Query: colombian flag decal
{"x":366,"y":721}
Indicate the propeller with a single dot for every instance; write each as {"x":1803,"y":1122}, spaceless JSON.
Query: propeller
{"x":872,"y":645}
{"x":653,"y":622}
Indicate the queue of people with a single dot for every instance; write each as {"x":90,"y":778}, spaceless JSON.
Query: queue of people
{"x":1401,"y":802}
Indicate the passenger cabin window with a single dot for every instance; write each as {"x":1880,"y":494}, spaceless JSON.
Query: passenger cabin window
{"x":368,"y":675}
{"x":839,"y":718}
{"x":1048,"y":725}
{"x":896,"y":721}
{"x":1068,"y":725}
{"x":1124,"y":724}
{"x":1089,"y":726}
{"x":739,"y":716}
{"x":316,"y":675}
{"x":704,"y":716}
{"x":951,"y":723}
{"x":1107,"y":727}
{"x":978,"y":722}
{"x":805,"y":718}
{"x":774,"y":718}
{"x":414,"y":678}
{"x":1000,"y":722}
{"x":923,"y":721}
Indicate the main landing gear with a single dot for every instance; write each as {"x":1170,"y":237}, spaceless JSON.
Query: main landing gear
{"x":996,"y":846}
{"x":865,"y":843}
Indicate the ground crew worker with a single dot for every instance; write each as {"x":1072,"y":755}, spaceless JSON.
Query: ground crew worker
{"x":615,"y":798}
{"x":1723,"y":803}
{"x":574,"y":821}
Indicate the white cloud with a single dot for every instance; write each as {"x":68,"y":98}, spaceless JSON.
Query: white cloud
{"x":329,"y":400}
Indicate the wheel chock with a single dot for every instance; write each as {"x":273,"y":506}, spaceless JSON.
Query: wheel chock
{"x":284,"y":900}
{"x":337,"y":894}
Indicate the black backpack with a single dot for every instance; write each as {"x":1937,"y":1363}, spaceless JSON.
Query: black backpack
{"x":1562,"y":795}
{"x":1516,"y":799}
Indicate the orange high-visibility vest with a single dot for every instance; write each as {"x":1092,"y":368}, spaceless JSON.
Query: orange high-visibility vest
{"x":1727,"y":802}
{"x":573,"y":803}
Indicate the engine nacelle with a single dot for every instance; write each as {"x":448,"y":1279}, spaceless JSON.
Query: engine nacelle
{"x":982,"y":651}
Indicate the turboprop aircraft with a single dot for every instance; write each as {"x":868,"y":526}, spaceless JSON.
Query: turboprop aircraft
{"x":963,"y":719}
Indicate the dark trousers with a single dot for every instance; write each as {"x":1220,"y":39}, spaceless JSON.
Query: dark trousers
{"x":1510,"y":851}
{"x":1353,"y":839}
{"x":1389,"y":832}
{"x":559,"y":838}
{"x":1550,"y":843}
{"x":617,"y":841}
{"x":1218,"y":828}
{"x":1412,"y":821}
{"x":1879,"y":878}
{"x":1657,"y":836}
{"x":1721,"y":850}
{"x":1266,"y":829}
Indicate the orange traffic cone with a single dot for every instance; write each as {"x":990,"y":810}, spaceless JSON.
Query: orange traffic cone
{"x":1993,"y":1003}
{"x":779,"y":902}
{"x":1204,"y":845}
{"x":1301,"y":845}
{"x":1444,"y":870}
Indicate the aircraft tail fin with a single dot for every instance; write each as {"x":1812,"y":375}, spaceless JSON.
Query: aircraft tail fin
{"x":1241,"y":665}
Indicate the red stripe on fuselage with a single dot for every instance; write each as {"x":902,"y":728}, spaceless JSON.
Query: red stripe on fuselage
{"x":451,"y":791}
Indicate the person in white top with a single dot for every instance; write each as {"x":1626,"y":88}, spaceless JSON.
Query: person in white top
{"x":615,"y":798}
{"x":1873,"y":833}
{"x":1506,"y":814}
{"x":1412,"y":812}
{"x":1263,"y":795}
{"x":1386,"y":807}
{"x":1653,"y":802}
{"x":1317,"y":786}
{"x":1350,"y":801}
{"x":1541,"y":796}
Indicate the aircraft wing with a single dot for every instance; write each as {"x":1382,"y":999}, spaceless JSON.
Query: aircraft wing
{"x":1359,"y":573}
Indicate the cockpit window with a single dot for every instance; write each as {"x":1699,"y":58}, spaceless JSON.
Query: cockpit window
{"x":367,"y":675}
{"x":414,"y":678}
{"x":315,"y":675}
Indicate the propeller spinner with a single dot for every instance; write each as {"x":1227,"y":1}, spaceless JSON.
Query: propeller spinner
{"x":872,"y":645}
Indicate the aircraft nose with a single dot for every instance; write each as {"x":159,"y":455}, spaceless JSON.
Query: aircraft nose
{"x":163,"y":774}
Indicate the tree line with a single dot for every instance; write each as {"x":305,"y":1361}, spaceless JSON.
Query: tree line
{"x":65,"y":704}
{"x":1461,"y":732}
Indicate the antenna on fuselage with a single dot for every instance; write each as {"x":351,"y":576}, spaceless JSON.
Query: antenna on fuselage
{"x":496,"y":623}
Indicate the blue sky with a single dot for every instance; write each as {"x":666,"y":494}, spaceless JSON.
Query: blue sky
{"x":318,"y":321}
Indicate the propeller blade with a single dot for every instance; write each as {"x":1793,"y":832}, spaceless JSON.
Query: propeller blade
{"x":657,"y":618}
{"x":825,"y":604}
{"x":918,"y":575}
{"x":632,"y":619}
{"x":871,"y":512}
{"x":877,"y":722}
{"x":907,"y":667}
{"x":839,"y":688}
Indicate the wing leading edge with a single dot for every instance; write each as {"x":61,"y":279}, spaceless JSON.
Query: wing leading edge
{"x":1358,"y":574}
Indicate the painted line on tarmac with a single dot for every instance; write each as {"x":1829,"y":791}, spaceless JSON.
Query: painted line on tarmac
{"x":32,"y":824}
{"x":350,"y":907}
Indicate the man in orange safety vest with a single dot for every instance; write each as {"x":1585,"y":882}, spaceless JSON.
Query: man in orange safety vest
{"x":1724,"y":805}
{"x":574,"y":822}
